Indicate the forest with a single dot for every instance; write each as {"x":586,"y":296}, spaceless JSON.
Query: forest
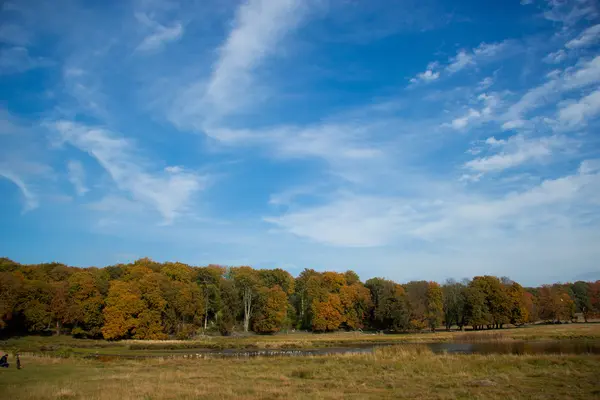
{"x":151,"y":300}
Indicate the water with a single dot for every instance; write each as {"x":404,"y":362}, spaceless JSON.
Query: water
{"x":573,"y":346}
{"x":519,"y":347}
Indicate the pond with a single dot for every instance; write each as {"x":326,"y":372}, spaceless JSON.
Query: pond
{"x":573,"y":346}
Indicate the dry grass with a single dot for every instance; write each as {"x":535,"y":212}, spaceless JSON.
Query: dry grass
{"x":390,"y":372}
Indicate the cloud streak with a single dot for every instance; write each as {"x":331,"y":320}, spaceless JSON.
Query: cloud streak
{"x":169,"y":191}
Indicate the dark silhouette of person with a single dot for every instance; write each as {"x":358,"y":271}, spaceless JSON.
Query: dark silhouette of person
{"x":4,"y":361}
{"x":18,"y":361}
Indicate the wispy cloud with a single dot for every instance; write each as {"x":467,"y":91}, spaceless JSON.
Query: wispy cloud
{"x":584,"y":74}
{"x":556,"y":57}
{"x":168,"y":191}
{"x":514,"y":152}
{"x":428,"y":75}
{"x":576,"y":114}
{"x":16,"y":59}
{"x":76,"y":175}
{"x":259,"y":27}
{"x":160,"y":35}
{"x":588,"y":37}
{"x":31,"y":200}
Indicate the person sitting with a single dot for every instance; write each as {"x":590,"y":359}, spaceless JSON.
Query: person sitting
{"x":4,"y":361}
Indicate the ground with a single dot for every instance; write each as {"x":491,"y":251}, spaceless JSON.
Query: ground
{"x":390,"y":372}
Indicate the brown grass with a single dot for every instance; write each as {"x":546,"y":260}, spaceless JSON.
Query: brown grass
{"x":390,"y":372}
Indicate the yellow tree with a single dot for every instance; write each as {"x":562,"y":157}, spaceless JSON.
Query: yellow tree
{"x":356,"y":303}
{"x":271,"y":310}
{"x":123,"y":307}
{"x":327,"y":315}
{"x":435,"y":305}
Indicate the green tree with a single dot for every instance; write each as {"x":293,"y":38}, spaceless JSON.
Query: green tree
{"x":247,"y":282}
{"x":435,"y":305}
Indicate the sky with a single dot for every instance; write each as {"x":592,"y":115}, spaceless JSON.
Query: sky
{"x":407,"y":139}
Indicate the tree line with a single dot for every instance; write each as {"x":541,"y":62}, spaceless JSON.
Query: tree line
{"x":151,"y":300}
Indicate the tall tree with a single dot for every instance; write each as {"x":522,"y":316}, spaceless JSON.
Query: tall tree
{"x":435,"y":305}
{"x":246,"y":281}
{"x":454,"y":303}
{"x":271,"y":310}
{"x":581,"y":295}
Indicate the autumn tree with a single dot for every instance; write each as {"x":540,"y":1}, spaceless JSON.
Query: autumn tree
{"x":555,"y":304}
{"x":124,"y":304}
{"x":390,"y":305}
{"x":356,"y":303}
{"x":434,"y":305}
{"x":454,"y":304}
{"x":208,"y":279}
{"x":416,"y":292}
{"x":581,"y":295}
{"x":271,"y":310}
{"x":246,"y":281}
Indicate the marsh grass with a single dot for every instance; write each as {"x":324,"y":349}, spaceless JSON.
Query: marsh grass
{"x":389,"y":372}
{"x":64,"y":346}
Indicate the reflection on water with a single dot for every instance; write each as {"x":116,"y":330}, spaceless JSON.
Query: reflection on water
{"x":520,"y":347}
{"x":498,"y":347}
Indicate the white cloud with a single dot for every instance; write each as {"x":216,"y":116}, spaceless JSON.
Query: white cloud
{"x":514,"y":152}
{"x":556,"y":57}
{"x":576,"y":114}
{"x":161,"y":35}
{"x":352,"y":221}
{"x":462,"y":122}
{"x":259,"y":28}
{"x":485,"y":83}
{"x":514,"y":124}
{"x":569,"y":12}
{"x":31,"y":200}
{"x":482,"y":53}
{"x":76,"y":175}
{"x":588,"y":37}
{"x":460,"y":61}
{"x":169,"y":191}
{"x":490,"y":102}
{"x":584,"y":74}
{"x":429,"y":75}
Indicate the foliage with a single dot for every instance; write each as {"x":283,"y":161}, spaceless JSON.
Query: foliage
{"x":151,"y":300}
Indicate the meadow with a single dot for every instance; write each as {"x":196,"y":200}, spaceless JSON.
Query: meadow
{"x":403,"y":370}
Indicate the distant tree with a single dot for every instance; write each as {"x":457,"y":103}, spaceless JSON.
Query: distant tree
{"x":416,"y":292}
{"x":271,"y":310}
{"x":356,"y":304}
{"x":124,"y":304}
{"x":434,"y":305}
{"x":11,"y":286}
{"x":454,"y":303}
{"x":581,"y":295}
{"x":230,"y":302}
{"x":327,"y":314}
{"x":555,"y":304}
{"x":595,"y":297}
{"x":390,"y":305}
{"x":247,"y":283}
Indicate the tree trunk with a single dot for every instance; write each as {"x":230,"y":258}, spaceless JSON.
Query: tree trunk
{"x":206,"y":313}
{"x":247,"y":308}
{"x":57,"y":328}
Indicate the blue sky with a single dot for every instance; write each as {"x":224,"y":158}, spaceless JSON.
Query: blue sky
{"x":405,"y":139}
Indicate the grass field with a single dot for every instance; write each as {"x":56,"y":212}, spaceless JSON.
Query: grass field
{"x":400,"y":371}
{"x":392,"y":372}
{"x":65,"y":345}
